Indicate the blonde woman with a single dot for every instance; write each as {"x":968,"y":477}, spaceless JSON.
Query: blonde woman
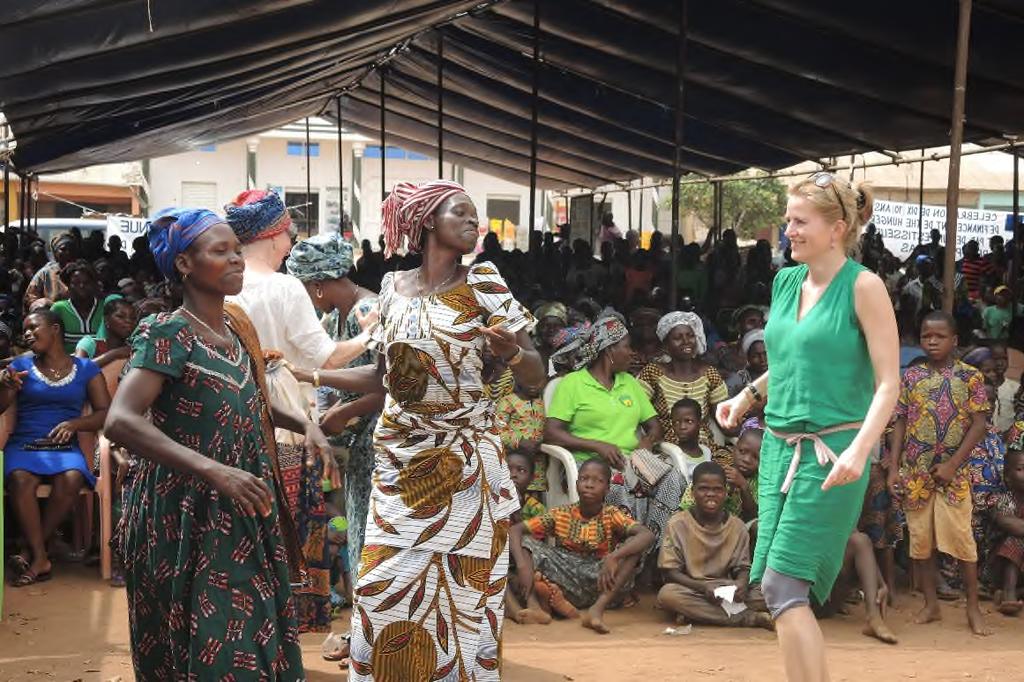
{"x":828,"y":312}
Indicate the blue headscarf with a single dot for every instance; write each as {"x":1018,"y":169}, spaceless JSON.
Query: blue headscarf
{"x":320,"y":258}
{"x":172,"y":230}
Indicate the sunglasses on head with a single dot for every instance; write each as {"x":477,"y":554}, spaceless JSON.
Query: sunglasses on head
{"x":825,"y":179}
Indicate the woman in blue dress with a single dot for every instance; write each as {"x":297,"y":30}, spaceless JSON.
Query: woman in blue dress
{"x":50,"y":388}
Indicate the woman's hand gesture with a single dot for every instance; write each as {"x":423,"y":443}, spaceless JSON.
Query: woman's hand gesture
{"x":63,"y":432}
{"x":847,"y":469}
{"x":12,"y":380}
{"x":502,"y":342}
{"x":611,"y":454}
{"x":730,"y":413}
{"x":249,"y":492}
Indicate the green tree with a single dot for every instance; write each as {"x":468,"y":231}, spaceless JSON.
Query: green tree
{"x":748,"y":205}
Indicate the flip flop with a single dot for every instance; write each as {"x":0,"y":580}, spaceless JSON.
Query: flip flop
{"x":341,"y":651}
{"x":30,"y":577}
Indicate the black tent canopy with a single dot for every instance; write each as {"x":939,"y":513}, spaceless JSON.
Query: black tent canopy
{"x":767,"y":83}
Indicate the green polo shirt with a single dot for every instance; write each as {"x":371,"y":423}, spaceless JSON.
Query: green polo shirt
{"x":595,"y":413}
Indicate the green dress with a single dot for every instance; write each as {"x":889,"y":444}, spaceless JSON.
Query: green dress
{"x":820,"y":376}
{"x":208,"y":587}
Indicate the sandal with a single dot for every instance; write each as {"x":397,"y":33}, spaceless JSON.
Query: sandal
{"x":30,"y":577}
{"x":17,"y":564}
{"x":336,"y":647}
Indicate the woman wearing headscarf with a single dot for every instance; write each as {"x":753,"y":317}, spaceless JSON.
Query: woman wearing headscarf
{"x":552,"y":317}
{"x":755,"y":359}
{"x":685,"y":375}
{"x":289,"y":331}
{"x":431,"y":581}
{"x":209,"y":549}
{"x":46,"y":282}
{"x":323,"y":264}
{"x":600,"y":409}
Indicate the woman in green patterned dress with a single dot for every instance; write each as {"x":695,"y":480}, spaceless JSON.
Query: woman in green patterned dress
{"x":829,"y":313}
{"x":209,"y":549}
{"x":322,"y":263}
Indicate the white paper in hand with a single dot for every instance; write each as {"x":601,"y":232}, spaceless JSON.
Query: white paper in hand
{"x":727,"y":593}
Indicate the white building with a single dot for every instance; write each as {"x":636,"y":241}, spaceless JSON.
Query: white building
{"x":212,"y":176}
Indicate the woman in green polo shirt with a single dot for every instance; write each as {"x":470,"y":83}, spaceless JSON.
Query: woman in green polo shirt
{"x":600,"y":409}
{"x":82,"y":312}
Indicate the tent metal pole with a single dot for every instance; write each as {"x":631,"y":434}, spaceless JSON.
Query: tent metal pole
{"x":7,"y":194}
{"x":341,"y":170}
{"x":309,"y":194}
{"x":35,"y":205}
{"x":639,"y":219}
{"x":383,"y":144}
{"x":440,"y":103}
{"x":629,"y":209}
{"x":535,"y":88}
{"x":956,"y":142}
{"x":677,"y":149}
{"x":920,"y":203}
{"x":1018,"y":234}
{"x":22,"y":202}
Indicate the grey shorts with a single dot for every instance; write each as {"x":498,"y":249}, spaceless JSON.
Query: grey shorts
{"x":783,"y":592}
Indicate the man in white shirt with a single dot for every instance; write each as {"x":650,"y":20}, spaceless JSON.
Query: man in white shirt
{"x":277,"y":304}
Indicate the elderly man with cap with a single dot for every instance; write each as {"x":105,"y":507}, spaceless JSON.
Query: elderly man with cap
{"x":46,"y":283}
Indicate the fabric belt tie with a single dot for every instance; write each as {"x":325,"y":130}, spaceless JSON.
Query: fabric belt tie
{"x":822,"y":452}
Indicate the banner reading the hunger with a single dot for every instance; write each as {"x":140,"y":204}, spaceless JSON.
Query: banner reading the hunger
{"x":898,"y":224}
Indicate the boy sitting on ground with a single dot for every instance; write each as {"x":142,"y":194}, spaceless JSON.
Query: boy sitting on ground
{"x":597,"y":547}
{"x":704,"y":548}
{"x":520,"y":592}
{"x":1009,"y":518}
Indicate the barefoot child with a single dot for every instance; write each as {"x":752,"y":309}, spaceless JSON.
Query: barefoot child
{"x":860,"y":569}
{"x":520,"y":591}
{"x":704,"y":548}
{"x":686,"y":420}
{"x":1009,"y":518}
{"x":940,"y":418}
{"x":597,"y":547}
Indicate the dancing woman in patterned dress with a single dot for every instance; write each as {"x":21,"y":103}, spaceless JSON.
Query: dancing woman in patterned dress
{"x":431,"y":582}
{"x":208,"y":545}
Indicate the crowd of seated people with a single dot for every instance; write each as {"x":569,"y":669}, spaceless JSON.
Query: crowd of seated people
{"x":631,"y":374}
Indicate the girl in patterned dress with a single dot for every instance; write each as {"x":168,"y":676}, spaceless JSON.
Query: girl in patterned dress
{"x":208,"y":546}
{"x":431,"y":582}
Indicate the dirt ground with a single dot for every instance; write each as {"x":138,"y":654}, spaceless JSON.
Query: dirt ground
{"x":76,"y":628}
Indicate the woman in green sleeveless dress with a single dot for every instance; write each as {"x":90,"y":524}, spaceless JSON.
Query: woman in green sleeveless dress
{"x":829,"y":312}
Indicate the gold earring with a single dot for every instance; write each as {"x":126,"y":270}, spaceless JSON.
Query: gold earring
{"x":319,"y":292}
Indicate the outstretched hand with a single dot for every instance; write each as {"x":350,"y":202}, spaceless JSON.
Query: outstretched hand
{"x":501,"y":341}
{"x":730,"y":413}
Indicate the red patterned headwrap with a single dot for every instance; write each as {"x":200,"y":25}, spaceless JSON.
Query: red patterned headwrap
{"x":405,"y":211}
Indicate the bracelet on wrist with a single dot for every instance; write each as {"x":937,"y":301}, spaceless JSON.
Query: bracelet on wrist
{"x":516,"y":358}
{"x":758,"y":398}
{"x":316,"y":378}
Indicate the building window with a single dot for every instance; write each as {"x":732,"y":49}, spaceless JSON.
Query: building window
{"x":305,"y":216}
{"x":393,"y":153}
{"x":299,"y":149}
{"x":208,"y":148}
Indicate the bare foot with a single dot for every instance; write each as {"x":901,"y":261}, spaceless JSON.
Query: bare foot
{"x":976,"y":622}
{"x":1010,"y":608}
{"x":928,"y":615}
{"x":534,"y":616}
{"x":877,"y":628}
{"x":759,"y":619}
{"x":595,"y":622}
